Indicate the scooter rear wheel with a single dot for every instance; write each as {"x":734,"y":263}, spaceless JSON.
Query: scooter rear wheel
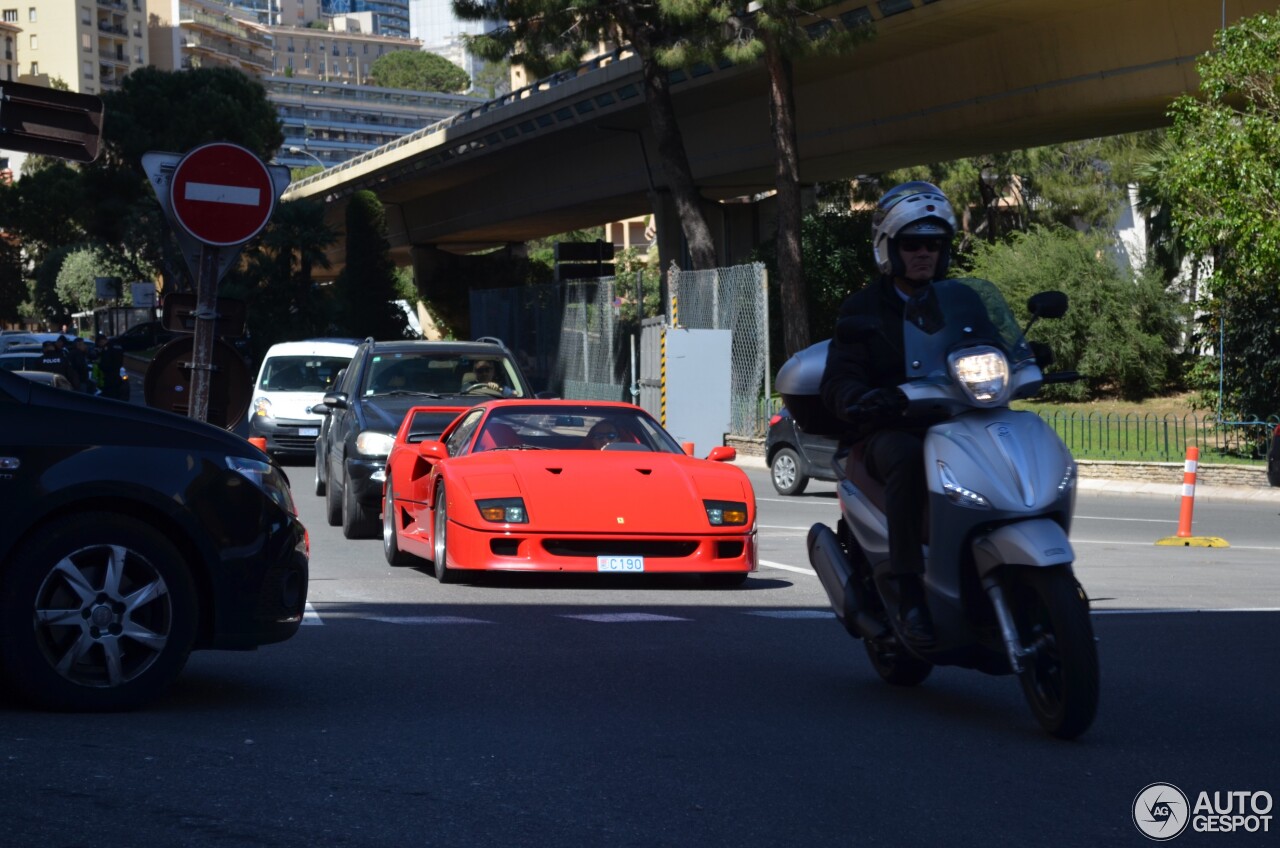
{"x":896,"y":665}
{"x":1060,"y":680}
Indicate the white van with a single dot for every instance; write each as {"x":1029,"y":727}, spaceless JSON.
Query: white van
{"x":294,"y":378}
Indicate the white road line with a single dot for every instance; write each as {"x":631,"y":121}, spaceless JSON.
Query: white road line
{"x":1167,"y":611}
{"x":1113,"y":518}
{"x":425,"y":619}
{"x":796,"y":613}
{"x":310,"y":616}
{"x":612,"y":617}
{"x":770,"y":564}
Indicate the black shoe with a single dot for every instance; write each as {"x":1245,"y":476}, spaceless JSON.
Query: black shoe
{"x":913,"y":622}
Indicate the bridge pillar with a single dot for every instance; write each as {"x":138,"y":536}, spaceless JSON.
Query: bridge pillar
{"x":429,"y":263}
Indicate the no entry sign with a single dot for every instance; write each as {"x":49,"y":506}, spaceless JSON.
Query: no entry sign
{"x":222,"y":194}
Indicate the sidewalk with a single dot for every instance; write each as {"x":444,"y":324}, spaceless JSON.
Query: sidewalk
{"x":1139,"y":488}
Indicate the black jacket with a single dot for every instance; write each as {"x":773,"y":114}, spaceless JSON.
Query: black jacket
{"x":875,"y":358}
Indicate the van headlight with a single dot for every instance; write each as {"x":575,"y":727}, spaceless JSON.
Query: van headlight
{"x":261,"y":407}
{"x":984,"y":373}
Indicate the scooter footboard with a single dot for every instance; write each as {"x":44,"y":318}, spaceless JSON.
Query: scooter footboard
{"x":1036,"y":542}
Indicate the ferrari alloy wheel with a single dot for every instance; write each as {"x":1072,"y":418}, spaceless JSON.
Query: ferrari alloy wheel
{"x":390,"y":547}
{"x":98,"y":612}
{"x":440,"y":546}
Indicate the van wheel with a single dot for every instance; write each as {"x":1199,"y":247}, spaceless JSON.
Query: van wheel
{"x":785,"y":471}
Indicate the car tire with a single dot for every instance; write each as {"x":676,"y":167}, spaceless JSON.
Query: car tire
{"x":112,"y":591}
{"x":358,"y":521}
{"x":318,"y":481}
{"x":390,"y":545}
{"x":786,"y":470}
{"x":439,"y":538}
{"x":333,"y":505}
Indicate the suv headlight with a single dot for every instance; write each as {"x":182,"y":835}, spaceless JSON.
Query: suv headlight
{"x":984,"y":373}
{"x":373,"y":443}
{"x":266,"y":477}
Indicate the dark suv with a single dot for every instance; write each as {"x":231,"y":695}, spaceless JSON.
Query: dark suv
{"x":370,"y":399}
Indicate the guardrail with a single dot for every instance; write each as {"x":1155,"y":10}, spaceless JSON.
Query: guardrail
{"x":1160,"y":438}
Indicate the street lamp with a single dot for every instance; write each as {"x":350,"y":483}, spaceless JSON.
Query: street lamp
{"x":294,"y":149}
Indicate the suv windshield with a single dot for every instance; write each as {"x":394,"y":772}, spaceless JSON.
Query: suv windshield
{"x":439,"y":373}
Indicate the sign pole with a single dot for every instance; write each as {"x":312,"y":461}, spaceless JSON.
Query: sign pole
{"x":202,"y":345}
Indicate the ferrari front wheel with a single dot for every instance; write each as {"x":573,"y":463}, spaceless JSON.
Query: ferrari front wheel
{"x":439,"y":538}
{"x":390,"y":544}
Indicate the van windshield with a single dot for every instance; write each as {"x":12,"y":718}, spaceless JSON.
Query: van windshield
{"x":301,"y":373}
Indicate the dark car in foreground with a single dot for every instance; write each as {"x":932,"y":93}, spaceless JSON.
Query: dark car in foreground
{"x":363,"y":412}
{"x":794,"y":456}
{"x":130,"y":538}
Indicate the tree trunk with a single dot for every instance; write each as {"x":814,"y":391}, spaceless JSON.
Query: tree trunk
{"x":674,"y":161}
{"x":786,"y":159}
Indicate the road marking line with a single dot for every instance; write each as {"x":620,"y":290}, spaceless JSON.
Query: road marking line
{"x":770,"y":564}
{"x":425,"y":619}
{"x":613,"y":617}
{"x":799,"y":613}
{"x":310,"y":616}
{"x":1167,"y":611}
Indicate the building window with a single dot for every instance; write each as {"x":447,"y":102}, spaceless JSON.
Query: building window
{"x":33,"y":41}
{"x":35,"y":68}
{"x":31,"y":14}
{"x":85,"y":18}
{"x":10,"y":16}
{"x":88,"y":69}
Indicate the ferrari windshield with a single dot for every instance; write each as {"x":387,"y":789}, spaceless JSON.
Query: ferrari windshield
{"x":957,"y":313}
{"x":570,"y":427}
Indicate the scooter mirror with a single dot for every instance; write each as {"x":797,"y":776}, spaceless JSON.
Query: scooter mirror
{"x":1047,"y":304}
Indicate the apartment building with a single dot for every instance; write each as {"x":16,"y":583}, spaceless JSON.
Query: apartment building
{"x":10,"y":32}
{"x":90,"y":45}
{"x":187,"y":34}
{"x":390,"y":17}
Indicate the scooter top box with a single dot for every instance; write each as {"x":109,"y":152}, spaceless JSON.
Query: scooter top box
{"x":799,"y":382}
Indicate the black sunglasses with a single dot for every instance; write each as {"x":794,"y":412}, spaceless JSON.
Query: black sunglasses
{"x":910,"y":245}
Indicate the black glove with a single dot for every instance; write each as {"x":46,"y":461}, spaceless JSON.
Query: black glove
{"x":886,"y":402}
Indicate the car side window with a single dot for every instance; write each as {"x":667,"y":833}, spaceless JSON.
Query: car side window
{"x":461,"y":437}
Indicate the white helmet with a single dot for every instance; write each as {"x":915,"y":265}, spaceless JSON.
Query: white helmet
{"x":911,"y":209}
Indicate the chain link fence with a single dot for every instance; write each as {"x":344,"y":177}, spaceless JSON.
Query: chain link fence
{"x":734,"y":299}
{"x":570,"y":341}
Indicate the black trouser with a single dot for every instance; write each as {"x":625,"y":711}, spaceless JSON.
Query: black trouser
{"x":896,"y":459}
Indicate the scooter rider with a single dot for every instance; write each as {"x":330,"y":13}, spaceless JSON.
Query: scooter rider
{"x":913,"y":227}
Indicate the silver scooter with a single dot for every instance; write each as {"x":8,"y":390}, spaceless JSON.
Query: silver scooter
{"x":998,"y":578}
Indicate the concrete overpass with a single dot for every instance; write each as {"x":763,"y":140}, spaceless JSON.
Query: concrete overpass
{"x":943,"y":79}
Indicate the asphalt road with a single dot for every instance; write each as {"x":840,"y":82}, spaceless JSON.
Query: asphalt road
{"x":533,"y":710}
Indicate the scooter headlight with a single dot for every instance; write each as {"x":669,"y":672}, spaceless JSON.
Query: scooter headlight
{"x":959,"y":494}
{"x":984,"y":373}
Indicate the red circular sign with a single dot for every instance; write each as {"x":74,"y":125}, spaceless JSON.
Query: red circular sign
{"x":222,"y":194}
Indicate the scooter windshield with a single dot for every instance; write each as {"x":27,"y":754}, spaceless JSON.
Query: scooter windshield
{"x":957,"y":313}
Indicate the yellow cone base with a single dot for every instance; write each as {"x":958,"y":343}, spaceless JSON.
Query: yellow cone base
{"x":1194,"y":542}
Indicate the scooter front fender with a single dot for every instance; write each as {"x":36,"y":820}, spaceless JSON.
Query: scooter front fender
{"x":1036,"y":541}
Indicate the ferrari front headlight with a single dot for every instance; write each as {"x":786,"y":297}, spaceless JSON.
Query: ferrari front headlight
{"x":984,"y":373}
{"x":726,"y":513}
{"x":503,"y":510}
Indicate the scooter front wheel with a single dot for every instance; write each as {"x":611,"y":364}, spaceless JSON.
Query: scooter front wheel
{"x":1060,"y":676}
{"x":896,"y":665}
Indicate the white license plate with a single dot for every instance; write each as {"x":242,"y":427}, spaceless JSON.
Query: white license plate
{"x":308,"y":431}
{"x":631,"y":564}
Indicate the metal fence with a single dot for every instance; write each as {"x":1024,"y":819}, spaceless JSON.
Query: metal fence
{"x":565,"y":336}
{"x":734,"y":299}
{"x":1160,"y":438}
